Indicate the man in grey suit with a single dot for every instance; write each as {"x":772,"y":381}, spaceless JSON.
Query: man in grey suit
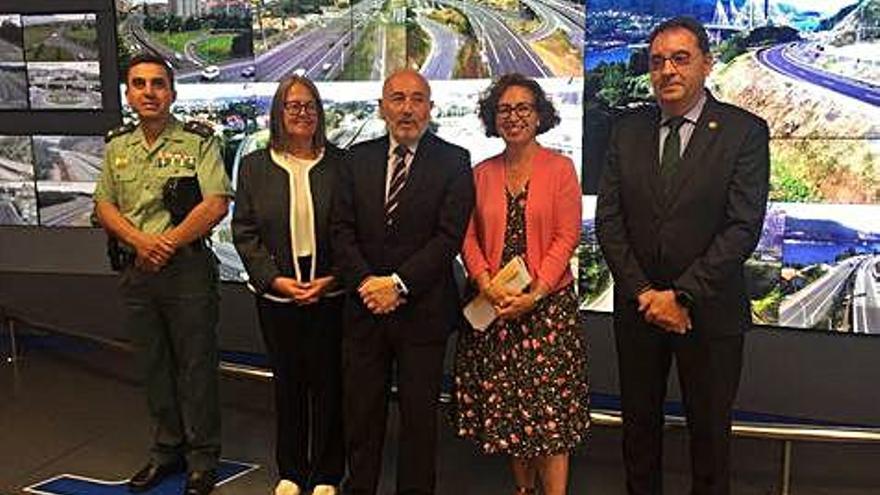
{"x":680,"y":209}
{"x":399,"y":218}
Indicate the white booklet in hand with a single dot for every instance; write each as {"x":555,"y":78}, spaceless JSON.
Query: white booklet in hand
{"x":514,"y":277}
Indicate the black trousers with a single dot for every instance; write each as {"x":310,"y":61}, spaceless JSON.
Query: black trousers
{"x":708,"y":371}
{"x":367,"y":364}
{"x":304,"y":345}
{"x":172,"y":318}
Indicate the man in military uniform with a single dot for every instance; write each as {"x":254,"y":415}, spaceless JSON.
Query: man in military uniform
{"x":168,"y":274}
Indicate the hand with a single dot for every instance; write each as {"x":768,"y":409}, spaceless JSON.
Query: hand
{"x":153,"y":252}
{"x":661,"y":308}
{"x":315,"y":289}
{"x":380,"y":295}
{"x":514,"y":306}
{"x":494,"y":294}
{"x":292,"y":288}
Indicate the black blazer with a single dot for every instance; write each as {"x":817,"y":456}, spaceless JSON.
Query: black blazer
{"x":261,"y":219}
{"x":696,"y":236}
{"x":431,"y":218}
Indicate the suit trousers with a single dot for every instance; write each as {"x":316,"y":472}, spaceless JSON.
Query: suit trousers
{"x":708,"y":371}
{"x":172,"y":317}
{"x":367,"y":363}
{"x":304,"y":346}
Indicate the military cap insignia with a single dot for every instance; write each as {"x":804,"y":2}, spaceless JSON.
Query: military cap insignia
{"x":197,"y":127}
{"x":119,"y":131}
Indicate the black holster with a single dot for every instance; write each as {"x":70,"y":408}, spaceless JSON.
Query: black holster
{"x":179,"y":196}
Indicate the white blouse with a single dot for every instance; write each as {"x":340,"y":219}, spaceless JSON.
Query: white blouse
{"x":302,"y":217}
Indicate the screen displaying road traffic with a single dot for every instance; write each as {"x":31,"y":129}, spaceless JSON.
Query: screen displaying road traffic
{"x":811,"y":68}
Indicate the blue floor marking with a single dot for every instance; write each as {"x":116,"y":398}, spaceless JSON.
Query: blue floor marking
{"x":70,"y":484}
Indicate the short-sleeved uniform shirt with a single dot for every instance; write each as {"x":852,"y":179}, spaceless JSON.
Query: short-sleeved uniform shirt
{"x":134,"y":173}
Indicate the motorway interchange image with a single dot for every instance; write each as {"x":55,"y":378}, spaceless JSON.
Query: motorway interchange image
{"x":810,"y":68}
{"x":63,"y":69}
{"x":362,"y":40}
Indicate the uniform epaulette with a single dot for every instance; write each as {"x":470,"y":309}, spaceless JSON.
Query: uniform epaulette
{"x":198,"y":127}
{"x":119,"y":131}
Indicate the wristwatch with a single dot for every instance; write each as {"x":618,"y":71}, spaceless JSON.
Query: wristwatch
{"x":399,"y":285}
{"x":684,"y":298}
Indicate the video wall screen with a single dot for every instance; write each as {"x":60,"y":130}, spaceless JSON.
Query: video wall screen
{"x":229,"y":55}
{"x":67,"y":169}
{"x":18,"y":198}
{"x":811,"y":68}
{"x":62,"y":62}
{"x":204,"y":40}
{"x":239,"y":40}
{"x":13,"y":77}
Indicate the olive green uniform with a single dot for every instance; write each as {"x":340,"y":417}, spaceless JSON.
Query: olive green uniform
{"x":172,"y":314}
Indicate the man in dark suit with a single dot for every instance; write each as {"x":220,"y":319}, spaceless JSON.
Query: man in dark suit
{"x":399,"y":219}
{"x":680,"y":209}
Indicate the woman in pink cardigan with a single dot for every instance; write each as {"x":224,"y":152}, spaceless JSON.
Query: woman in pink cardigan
{"x":520,"y":384}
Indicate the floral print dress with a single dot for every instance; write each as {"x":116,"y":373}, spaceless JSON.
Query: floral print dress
{"x":521,"y":384}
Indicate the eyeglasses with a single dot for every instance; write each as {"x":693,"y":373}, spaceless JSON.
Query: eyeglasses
{"x":678,"y":59}
{"x":298,"y":107}
{"x":522,"y":110}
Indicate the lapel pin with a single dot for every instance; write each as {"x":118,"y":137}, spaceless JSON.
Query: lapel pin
{"x":713,"y":125}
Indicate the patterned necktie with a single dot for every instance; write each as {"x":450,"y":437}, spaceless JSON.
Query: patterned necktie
{"x":398,"y":180}
{"x":672,"y":147}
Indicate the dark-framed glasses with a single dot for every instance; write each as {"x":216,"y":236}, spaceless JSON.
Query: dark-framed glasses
{"x":299,"y":107}
{"x":521,"y":110}
{"x":678,"y":59}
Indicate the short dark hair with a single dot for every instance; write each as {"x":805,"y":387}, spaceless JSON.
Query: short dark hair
{"x":151,"y":58}
{"x":488,"y":106}
{"x":683,"y":22}
{"x":278,"y":137}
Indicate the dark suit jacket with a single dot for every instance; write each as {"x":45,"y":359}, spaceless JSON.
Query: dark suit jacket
{"x":696,"y":236}
{"x":261,"y":219}
{"x":420,"y":246}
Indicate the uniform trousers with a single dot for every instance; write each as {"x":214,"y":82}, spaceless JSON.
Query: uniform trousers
{"x":172,"y":318}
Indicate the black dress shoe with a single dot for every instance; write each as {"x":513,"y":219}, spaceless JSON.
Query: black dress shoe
{"x":151,"y":475}
{"x":200,"y":482}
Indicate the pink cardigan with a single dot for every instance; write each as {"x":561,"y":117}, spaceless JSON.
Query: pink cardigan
{"x":553,"y":219}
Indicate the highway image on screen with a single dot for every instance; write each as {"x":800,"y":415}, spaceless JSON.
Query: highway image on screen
{"x":445,"y":39}
{"x":18,"y":203}
{"x":64,"y":85}
{"x":762,"y":269}
{"x":13,"y":78}
{"x":810,"y":68}
{"x":60,"y":38}
{"x":67,"y":169}
{"x":831,"y":268}
{"x":205,"y":40}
